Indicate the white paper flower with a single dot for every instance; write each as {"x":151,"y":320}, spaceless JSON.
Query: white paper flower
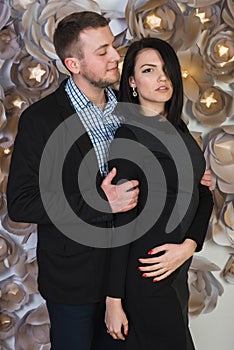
{"x":204,"y":287}
{"x":12,"y":295}
{"x":33,"y":330}
{"x":219,"y":155}
{"x":22,"y":5}
{"x":5,"y":13}
{"x":228,"y":271}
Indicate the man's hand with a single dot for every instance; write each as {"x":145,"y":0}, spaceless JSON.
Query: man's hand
{"x":174,"y":256}
{"x":207,"y":179}
{"x":122,"y":197}
{"x":116,"y":319}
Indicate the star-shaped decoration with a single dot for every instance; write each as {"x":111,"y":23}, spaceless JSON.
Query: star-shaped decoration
{"x":223,"y":50}
{"x":202,"y":16}
{"x":208,"y":100}
{"x":36,"y":72}
{"x":153,"y":22}
{"x":18,"y":102}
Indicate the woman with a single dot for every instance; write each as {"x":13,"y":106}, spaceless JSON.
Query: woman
{"x":147,"y":299}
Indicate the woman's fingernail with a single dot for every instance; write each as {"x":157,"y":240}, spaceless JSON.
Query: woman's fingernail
{"x":150,"y":252}
{"x":155,"y":280}
{"x":126,"y":333}
{"x":144,"y":275}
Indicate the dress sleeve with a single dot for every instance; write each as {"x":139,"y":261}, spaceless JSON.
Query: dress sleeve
{"x":198,"y":228}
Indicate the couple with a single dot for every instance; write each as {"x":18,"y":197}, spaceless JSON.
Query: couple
{"x":145,"y":281}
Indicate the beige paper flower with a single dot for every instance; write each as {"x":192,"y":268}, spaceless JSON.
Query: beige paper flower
{"x":8,"y":323}
{"x":32,"y":77}
{"x":27,"y":270}
{"x":228,"y":13}
{"x":40,"y":20}
{"x":12,"y":295}
{"x":204,"y":287}
{"x":219,"y":155}
{"x":15,"y":103}
{"x":162,"y":19}
{"x":228,"y":271}
{"x":213,"y":106}
{"x":8,"y":43}
{"x":193,"y":73}
{"x":33,"y":330}
{"x":5,"y":13}
{"x":18,"y":228}
{"x":8,"y":136}
{"x":222,"y":223}
{"x":209,"y":16}
{"x":8,"y":252}
{"x":217,"y":47}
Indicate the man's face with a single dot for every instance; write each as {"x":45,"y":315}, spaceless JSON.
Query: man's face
{"x":99,"y":65}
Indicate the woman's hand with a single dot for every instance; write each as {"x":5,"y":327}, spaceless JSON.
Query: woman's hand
{"x":207,"y":179}
{"x":115,"y":318}
{"x":173,"y":257}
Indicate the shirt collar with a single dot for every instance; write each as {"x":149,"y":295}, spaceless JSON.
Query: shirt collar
{"x":82,"y":100}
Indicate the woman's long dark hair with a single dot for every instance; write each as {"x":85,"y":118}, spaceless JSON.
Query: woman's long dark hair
{"x":173,"y":108}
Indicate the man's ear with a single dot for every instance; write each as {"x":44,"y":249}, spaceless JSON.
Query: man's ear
{"x":131,"y":81}
{"x":72,"y":64}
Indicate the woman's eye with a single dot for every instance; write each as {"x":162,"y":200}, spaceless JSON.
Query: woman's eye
{"x":102,"y":53}
{"x":147,"y":70}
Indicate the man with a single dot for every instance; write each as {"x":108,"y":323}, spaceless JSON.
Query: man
{"x":71,"y":275}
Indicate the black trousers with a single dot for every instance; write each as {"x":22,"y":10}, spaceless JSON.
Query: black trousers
{"x":78,"y":327}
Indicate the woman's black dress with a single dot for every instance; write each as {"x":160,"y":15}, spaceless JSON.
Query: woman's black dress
{"x":157,"y":311}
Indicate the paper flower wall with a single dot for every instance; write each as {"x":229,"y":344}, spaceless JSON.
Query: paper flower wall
{"x":202,"y":33}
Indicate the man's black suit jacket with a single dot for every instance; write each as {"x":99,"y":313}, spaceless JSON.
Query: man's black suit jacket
{"x":69,"y":272}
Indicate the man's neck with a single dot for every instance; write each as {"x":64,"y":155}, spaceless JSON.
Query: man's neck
{"x":93,"y":93}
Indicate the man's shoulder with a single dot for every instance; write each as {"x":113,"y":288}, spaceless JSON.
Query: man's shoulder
{"x":47,"y":106}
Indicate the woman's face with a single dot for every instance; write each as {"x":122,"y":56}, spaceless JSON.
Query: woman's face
{"x":153,"y":86}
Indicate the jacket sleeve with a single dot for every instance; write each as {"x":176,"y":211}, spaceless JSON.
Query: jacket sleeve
{"x":23,"y":191}
{"x":198,"y":228}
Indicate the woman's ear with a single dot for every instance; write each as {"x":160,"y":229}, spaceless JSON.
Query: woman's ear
{"x":131,"y":81}
{"x":72,"y":64}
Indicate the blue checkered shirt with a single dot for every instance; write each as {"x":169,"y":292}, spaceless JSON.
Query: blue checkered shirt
{"x":100,"y":125}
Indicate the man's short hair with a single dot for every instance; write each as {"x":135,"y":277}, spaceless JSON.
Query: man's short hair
{"x":66,"y":35}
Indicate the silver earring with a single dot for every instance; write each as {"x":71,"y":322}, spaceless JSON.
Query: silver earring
{"x":134,"y":92}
